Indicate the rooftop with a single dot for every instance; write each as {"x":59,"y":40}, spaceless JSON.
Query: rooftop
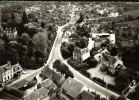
{"x":72,"y":87}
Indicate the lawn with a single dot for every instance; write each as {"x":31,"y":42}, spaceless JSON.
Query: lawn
{"x":96,"y":72}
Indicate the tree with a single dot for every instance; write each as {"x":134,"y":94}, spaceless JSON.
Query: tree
{"x":121,"y":98}
{"x":25,"y":38}
{"x":57,"y":64}
{"x":69,"y":74}
{"x":114,"y":51}
{"x":12,"y":55}
{"x":83,"y":31}
{"x":71,"y":48}
{"x":13,"y":20}
{"x":130,"y":18}
{"x":2,"y":54}
{"x":24,"y":18}
{"x":83,"y":43}
{"x":40,"y":41}
{"x":65,"y":52}
{"x":122,"y":80}
{"x":80,"y":19}
{"x":63,"y":69}
{"x":42,"y":24}
{"x":30,"y":51}
{"x":2,"y":44}
{"x":112,"y":97}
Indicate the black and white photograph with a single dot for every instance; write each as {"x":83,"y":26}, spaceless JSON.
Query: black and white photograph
{"x":69,"y":50}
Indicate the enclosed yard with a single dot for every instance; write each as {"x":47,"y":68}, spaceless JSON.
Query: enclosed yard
{"x":96,"y":72}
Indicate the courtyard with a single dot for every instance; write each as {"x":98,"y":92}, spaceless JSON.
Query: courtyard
{"x":96,"y":72}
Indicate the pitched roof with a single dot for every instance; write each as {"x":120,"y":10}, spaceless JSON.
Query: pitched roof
{"x":86,"y":96}
{"x":5,"y":67}
{"x":72,"y":87}
{"x":17,"y":67}
{"x":47,"y":83}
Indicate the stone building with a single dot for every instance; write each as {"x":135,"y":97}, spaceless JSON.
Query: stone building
{"x":11,"y":33}
{"x":8,"y":71}
{"x":81,"y":54}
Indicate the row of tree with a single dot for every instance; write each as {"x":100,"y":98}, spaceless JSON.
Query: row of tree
{"x":61,"y":67}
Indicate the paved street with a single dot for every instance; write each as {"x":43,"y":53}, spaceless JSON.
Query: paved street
{"x":56,"y":54}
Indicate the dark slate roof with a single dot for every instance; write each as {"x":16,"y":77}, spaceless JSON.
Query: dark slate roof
{"x":72,"y":87}
{"x":17,"y":67}
{"x":5,"y":67}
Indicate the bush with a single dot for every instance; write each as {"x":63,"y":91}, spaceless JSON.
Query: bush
{"x":98,"y":80}
{"x":73,"y":63}
{"x":113,"y":88}
{"x":85,"y":73}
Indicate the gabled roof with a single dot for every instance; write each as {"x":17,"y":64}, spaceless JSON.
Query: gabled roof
{"x":47,"y":83}
{"x":72,"y":87}
{"x":82,"y":51}
{"x":17,"y":67}
{"x":5,"y":67}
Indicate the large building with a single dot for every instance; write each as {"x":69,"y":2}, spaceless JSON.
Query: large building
{"x":81,"y":54}
{"x":112,"y":63}
{"x":72,"y":88}
{"x":11,"y":33}
{"x":8,"y":71}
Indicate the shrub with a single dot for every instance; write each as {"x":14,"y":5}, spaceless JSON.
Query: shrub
{"x":112,"y":87}
{"x":85,"y":73}
{"x":98,"y":80}
{"x":73,"y":63}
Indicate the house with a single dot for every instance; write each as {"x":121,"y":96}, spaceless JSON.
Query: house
{"x":91,"y":44}
{"x":72,"y":87}
{"x":81,"y":54}
{"x":94,"y":35}
{"x":112,"y":39}
{"x":56,"y":76}
{"x":112,"y":63}
{"x":85,"y":95}
{"x":66,"y":33}
{"x":8,"y":71}
{"x":42,"y":92}
{"x":98,"y":56}
{"x":127,"y":43}
{"x":11,"y":33}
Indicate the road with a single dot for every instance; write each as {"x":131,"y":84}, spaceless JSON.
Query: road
{"x":56,"y":54}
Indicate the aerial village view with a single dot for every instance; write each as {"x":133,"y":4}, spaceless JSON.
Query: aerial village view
{"x":69,"y":50}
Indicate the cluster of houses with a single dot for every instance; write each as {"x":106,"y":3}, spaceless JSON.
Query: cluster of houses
{"x":54,"y":83}
{"x":106,"y":10}
{"x":127,"y":36}
{"x":95,"y":41}
{"x":68,"y":86}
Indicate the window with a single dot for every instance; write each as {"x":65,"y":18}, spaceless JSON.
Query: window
{"x":14,"y":70}
{"x":5,"y":78}
{"x":8,"y":77}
